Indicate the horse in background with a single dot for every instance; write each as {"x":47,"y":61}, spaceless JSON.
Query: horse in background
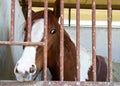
{"x":10,"y":54}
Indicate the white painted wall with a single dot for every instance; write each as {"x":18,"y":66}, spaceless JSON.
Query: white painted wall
{"x":85,"y":39}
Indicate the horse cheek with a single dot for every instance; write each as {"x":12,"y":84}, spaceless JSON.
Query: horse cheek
{"x":39,"y":58}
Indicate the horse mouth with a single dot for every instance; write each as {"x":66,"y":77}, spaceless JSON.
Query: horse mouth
{"x":24,"y":78}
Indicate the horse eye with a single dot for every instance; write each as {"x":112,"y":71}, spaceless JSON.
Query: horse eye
{"x":53,"y":31}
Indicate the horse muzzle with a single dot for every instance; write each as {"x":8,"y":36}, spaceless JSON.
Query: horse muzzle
{"x":27,"y":74}
{"x":24,"y":77}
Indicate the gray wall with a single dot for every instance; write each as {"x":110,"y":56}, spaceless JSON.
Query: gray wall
{"x":101,"y":40}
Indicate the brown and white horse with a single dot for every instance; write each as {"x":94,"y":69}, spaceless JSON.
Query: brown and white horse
{"x":32,"y":58}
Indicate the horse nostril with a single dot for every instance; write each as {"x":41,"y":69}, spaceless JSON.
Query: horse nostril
{"x":32,"y":69}
{"x":16,"y":70}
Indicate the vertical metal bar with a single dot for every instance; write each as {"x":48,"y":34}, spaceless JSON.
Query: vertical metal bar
{"x":45,"y":38}
{"x":109,"y":40}
{"x":61,"y":40}
{"x":78,"y":38}
{"x":12,"y":20}
{"x":94,"y":38}
{"x":69,"y":16}
{"x":29,"y":20}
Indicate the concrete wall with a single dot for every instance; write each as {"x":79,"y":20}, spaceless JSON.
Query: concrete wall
{"x":101,"y":41}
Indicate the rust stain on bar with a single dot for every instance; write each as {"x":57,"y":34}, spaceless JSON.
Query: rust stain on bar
{"x":45,"y":38}
{"x":78,"y":38}
{"x":109,"y":40}
{"x":94,"y":38}
{"x":29,"y":20}
{"x":12,"y":20}
{"x":21,"y":43}
{"x":61,"y":40}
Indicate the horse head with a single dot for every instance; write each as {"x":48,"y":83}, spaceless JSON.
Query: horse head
{"x":32,"y":57}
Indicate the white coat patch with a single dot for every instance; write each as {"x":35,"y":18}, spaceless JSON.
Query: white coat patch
{"x":29,"y":54}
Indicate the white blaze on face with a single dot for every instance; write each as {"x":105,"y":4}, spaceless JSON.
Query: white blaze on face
{"x":29,"y":54}
{"x":37,"y":31}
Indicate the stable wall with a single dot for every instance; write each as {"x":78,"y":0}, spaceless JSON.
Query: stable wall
{"x":101,"y":40}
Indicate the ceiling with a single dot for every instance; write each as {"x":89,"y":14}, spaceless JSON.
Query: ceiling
{"x":85,"y":4}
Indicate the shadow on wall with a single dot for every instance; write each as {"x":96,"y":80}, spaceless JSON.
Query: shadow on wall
{"x":115,"y":70}
{"x":6,"y":63}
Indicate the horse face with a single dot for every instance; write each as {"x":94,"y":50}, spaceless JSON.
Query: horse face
{"x":32,"y":57}
{"x":53,"y":32}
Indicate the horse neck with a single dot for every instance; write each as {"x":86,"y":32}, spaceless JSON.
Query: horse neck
{"x":69,"y":60}
{"x":5,"y":23}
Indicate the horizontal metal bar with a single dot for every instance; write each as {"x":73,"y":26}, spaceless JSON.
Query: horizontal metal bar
{"x":57,"y":83}
{"x":22,"y":43}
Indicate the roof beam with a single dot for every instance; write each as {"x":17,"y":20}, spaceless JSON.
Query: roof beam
{"x":82,"y":6}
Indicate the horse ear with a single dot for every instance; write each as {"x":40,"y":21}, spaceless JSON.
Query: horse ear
{"x":56,"y":9}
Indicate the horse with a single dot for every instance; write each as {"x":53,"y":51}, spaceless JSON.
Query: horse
{"x":32,"y":57}
{"x":10,"y":54}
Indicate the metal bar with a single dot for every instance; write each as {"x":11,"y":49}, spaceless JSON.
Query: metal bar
{"x":109,"y":40}
{"x":12,"y":20}
{"x":78,"y":38}
{"x":29,"y":20}
{"x":45,"y":37}
{"x":69,"y":16}
{"x":61,"y":40}
{"x":94,"y":38}
{"x":56,"y":83}
{"x":21,"y":43}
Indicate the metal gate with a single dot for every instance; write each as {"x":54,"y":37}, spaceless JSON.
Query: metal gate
{"x":44,"y":44}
